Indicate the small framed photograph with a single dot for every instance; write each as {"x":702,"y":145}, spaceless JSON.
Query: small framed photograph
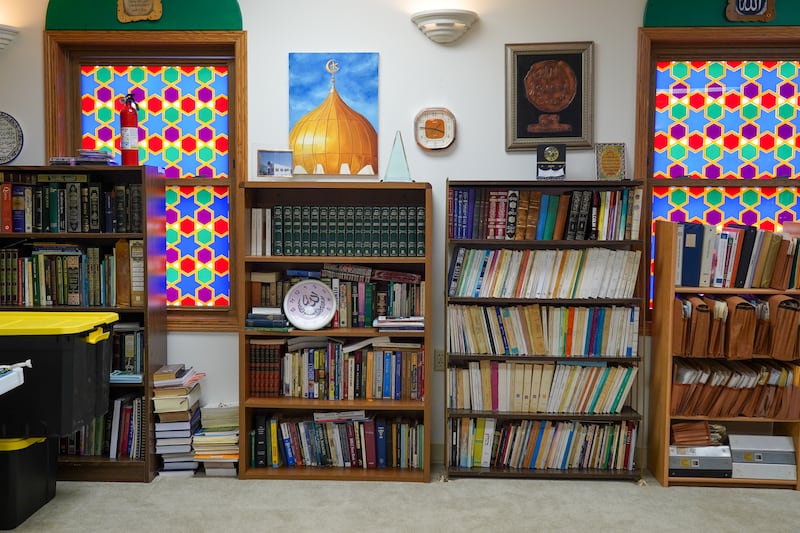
{"x":610,"y":161}
{"x":273,"y":164}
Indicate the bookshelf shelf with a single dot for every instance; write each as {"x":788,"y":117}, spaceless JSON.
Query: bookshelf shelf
{"x":487,"y":219}
{"x":662,"y":374}
{"x":270,"y":256}
{"x":151,"y":316}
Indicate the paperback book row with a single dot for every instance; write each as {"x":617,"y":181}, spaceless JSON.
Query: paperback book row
{"x":358,"y":302}
{"x":62,"y":274}
{"x":573,"y":273}
{"x":598,"y":388}
{"x":394,"y":372}
{"x":736,"y":327}
{"x":533,"y":329}
{"x":66,"y":203}
{"x":117,"y":434}
{"x":541,"y":444}
{"x":348,"y":440}
{"x":752,"y":388}
{"x":352,"y":231}
{"x":525,"y":214}
{"x":737,"y":255}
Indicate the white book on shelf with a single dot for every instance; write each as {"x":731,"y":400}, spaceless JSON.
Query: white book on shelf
{"x":679,"y":254}
{"x":707,"y":255}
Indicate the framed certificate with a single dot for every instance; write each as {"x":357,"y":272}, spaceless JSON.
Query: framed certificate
{"x":133,"y":10}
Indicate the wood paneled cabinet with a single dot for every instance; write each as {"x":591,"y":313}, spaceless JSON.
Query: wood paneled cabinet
{"x":86,"y":239}
{"x":542,"y":303}
{"x":369,"y":244}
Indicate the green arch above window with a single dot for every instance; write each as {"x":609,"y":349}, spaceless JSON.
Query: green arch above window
{"x":678,"y":13}
{"x":177,"y":15}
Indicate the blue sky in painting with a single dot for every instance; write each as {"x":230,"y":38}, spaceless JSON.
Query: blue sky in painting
{"x":356,"y":82}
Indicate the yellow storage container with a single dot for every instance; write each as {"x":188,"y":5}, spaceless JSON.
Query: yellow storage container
{"x":27,"y":477}
{"x":67,"y":385}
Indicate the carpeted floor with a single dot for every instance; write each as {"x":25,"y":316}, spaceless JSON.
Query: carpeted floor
{"x":220,"y":505}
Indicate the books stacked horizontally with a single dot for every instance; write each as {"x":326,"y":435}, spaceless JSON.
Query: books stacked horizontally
{"x":216,"y":444}
{"x":176,"y":403}
{"x":399,"y":323}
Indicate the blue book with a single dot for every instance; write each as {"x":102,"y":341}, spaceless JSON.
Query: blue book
{"x":540,"y":223}
{"x":398,"y":374}
{"x":498,"y":312}
{"x":542,"y":427}
{"x":387,"y":374}
{"x":470,"y":214}
{"x":380,"y":442}
{"x":692,"y":253}
{"x":287,"y":444}
{"x":588,"y":340}
{"x":569,"y":445}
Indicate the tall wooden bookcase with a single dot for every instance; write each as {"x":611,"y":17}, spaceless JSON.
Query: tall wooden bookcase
{"x":269,"y":195}
{"x":150,"y":314}
{"x":663,"y":373}
{"x":470,"y":205}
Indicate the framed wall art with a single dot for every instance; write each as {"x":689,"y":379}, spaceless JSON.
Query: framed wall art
{"x":610,"y":161}
{"x":549,"y":95}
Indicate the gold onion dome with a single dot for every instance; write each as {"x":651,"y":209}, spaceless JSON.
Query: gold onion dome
{"x":334,"y":138}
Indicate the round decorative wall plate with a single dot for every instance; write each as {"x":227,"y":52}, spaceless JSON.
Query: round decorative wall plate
{"x":309,"y":305}
{"x":10,"y":138}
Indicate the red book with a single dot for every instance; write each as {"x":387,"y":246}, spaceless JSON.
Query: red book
{"x":369,"y":443}
{"x":124,"y":431}
{"x":5,"y":207}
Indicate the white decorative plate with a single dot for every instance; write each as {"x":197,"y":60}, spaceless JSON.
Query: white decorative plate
{"x":10,"y":138}
{"x":309,"y":305}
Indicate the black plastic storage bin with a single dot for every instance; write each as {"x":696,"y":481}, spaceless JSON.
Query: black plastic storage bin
{"x":68,"y":384}
{"x":27,"y":477}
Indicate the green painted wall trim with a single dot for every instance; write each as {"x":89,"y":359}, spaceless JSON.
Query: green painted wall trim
{"x":176,"y":15}
{"x":678,"y":13}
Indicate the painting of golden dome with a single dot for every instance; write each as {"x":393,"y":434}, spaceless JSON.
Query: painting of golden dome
{"x":333,"y":112}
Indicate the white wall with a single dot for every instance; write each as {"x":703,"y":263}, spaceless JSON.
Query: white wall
{"x":468,"y":77}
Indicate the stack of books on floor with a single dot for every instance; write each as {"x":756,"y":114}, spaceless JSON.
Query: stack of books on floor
{"x":216,"y":443}
{"x":176,"y":404}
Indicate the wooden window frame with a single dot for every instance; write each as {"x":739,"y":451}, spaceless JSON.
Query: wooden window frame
{"x":685,"y":43}
{"x":63,"y":53}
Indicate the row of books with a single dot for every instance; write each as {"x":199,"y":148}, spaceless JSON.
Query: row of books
{"x":91,"y":439}
{"x":533,"y":329}
{"x":737,"y":255}
{"x":353,"y":231}
{"x":754,"y":388}
{"x":328,"y":372}
{"x":573,"y":273}
{"x":736,"y":327}
{"x":540,"y":387}
{"x":68,"y":204}
{"x":74,"y":275}
{"x":358,"y":303}
{"x":127,"y":430}
{"x":541,"y":444}
{"x":525,"y":214}
{"x":348,"y":440}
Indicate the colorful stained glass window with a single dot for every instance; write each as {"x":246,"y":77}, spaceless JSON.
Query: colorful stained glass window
{"x":726,"y":120}
{"x":197,"y":246}
{"x":183,"y":128}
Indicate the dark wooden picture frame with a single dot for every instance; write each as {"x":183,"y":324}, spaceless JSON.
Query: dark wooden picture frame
{"x":549,"y":94}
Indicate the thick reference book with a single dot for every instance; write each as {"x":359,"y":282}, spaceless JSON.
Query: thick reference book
{"x":137,"y":269}
{"x":177,"y":403}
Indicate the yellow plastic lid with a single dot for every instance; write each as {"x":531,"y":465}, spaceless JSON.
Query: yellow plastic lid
{"x":12,"y":445}
{"x":55,"y":323}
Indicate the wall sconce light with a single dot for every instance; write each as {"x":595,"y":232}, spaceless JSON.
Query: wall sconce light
{"x":7,"y":35}
{"x":444,"y":25}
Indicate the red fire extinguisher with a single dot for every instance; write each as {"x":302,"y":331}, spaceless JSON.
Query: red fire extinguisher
{"x":129,"y":130}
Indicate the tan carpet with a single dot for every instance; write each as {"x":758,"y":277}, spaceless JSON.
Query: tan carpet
{"x":481,"y":505}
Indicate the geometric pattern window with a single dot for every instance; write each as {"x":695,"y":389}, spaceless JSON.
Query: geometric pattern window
{"x":183,"y":128}
{"x":726,"y":120}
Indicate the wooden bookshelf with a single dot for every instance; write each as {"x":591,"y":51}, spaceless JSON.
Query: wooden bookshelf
{"x":150,"y":314}
{"x":273,"y":194}
{"x":662,"y":376}
{"x":461,"y":414}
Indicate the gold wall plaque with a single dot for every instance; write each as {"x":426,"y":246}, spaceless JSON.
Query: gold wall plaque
{"x":610,"y":161}
{"x":750,"y":10}
{"x":133,"y":10}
